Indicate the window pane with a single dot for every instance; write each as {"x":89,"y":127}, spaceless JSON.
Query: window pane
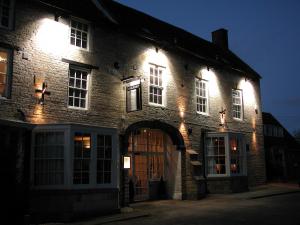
{"x":104,"y":154}
{"x":81,"y":163}
{"x":49,"y":158}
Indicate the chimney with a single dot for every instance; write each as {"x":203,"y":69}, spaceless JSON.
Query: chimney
{"x":220,"y":38}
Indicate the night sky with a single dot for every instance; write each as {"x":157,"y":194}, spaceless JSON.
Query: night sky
{"x":263,"y":33}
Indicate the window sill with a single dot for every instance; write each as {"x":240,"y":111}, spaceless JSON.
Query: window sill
{"x":73,"y":47}
{"x":203,"y":114}
{"x":237,"y":119}
{"x":5,"y":99}
{"x":77,"y":108}
{"x":157,"y":105}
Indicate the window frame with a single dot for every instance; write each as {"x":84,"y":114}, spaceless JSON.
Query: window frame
{"x":227,"y":136}
{"x":198,"y":80}
{"x":82,"y":21}
{"x":241,"y":105}
{"x":69,"y":132}
{"x":162,"y":87}
{"x":81,"y":69}
{"x":11,"y":16}
{"x":9,"y":72}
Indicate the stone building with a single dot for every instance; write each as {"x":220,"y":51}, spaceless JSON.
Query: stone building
{"x":282,"y":151}
{"x":86,"y":86}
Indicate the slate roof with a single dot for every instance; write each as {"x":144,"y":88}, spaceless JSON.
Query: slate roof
{"x":289,"y":140}
{"x":165,"y":35}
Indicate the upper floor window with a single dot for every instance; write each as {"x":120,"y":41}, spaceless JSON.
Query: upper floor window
{"x":5,"y":79}
{"x":156,"y":90}
{"x":237,"y":104}
{"x":79,"y":34}
{"x":78,"y":87}
{"x":6,"y":13}
{"x":202,"y":96}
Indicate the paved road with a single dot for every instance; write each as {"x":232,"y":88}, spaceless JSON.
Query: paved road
{"x":231,"y":210}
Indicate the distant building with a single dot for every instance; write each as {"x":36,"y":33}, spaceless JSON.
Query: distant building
{"x":282,"y":151}
{"x":86,"y":83}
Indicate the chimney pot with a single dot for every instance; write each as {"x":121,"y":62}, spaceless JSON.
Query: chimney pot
{"x":220,"y":38}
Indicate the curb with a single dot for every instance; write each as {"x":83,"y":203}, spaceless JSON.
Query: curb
{"x":274,"y":194}
{"x":111,"y":219}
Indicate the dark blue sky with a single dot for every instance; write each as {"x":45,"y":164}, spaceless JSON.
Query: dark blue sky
{"x":264,"y":33}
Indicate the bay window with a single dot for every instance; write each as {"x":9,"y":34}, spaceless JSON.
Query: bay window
{"x":225,"y":154}
{"x":74,"y":156}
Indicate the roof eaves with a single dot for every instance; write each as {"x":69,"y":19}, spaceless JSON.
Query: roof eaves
{"x":104,"y":11}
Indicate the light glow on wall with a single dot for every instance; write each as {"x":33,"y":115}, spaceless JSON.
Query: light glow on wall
{"x":150,"y":56}
{"x":52,"y":37}
{"x":248,"y":93}
{"x":213,"y":83}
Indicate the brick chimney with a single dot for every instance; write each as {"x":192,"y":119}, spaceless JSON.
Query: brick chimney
{"x":220,"y":38}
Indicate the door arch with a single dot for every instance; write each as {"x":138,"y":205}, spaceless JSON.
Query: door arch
{"x":156,"y":160}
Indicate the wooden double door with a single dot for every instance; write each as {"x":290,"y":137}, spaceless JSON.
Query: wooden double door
{"x":149,"y":152}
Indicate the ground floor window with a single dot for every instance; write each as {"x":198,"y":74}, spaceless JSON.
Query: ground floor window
{"x":225,"y":154}
{"x":74,"y":156}
{"x":49,"y":158}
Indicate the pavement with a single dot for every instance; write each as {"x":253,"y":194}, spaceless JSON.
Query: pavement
{"x":146,"y":209}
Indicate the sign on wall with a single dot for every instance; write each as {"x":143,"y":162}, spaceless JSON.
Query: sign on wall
{"x":133,"y":96}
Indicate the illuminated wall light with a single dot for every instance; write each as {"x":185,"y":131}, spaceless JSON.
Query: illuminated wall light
{"x":255,"y":109}
{"x":181,"y":114}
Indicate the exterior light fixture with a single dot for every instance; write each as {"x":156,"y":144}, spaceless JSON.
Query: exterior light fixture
{"x":44,"y":92}
{"x":156,"y":49}
{"x":222,"y":117}
{"x":116,"y":65}
{"x":126,"y":162}
{"x":57,"y":17}
{"x":255,"y":108}
{"x":190,"y":131}
{"x":207,"y":67}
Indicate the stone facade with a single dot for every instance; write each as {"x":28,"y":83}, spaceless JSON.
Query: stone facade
{"x":40,"y":44}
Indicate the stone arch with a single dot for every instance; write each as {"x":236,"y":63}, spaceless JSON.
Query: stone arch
{"x":173,"y":132}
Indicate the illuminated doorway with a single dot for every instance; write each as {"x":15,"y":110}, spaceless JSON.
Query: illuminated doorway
{"x":156,"y":166}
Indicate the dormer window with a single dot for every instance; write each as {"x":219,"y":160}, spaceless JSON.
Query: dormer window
{"x":79,"y":34}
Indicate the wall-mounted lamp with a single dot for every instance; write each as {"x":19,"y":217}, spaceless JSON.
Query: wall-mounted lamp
{"x":57,"y":16}
{"x":156,"y":49}
{"x":190,"y":131}
{"x":207,"y":67}
{"x":186,"y":66}
{"x":222,"y":117}
{"x":116,"y":65}
{"x":44,"y":92}
{"x":126,"y":162}
{"x":255,"y":108}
